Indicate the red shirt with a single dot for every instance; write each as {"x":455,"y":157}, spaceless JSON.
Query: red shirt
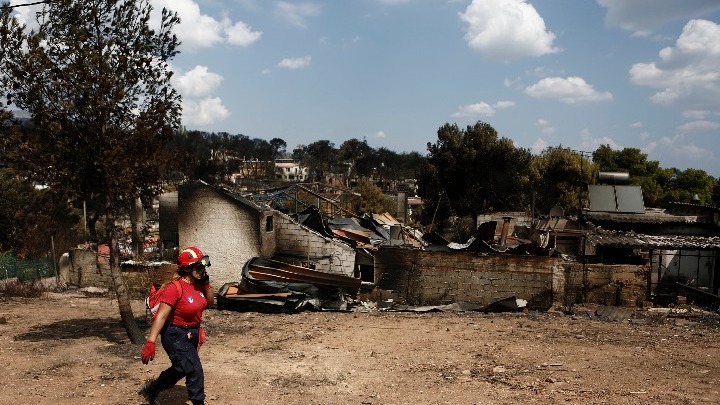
{"x":190,"y":299}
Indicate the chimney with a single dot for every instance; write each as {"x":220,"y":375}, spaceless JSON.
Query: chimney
{"x":402,"y":206}
{"x":504,"y":232}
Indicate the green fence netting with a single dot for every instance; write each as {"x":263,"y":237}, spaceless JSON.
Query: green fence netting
{"x":25,"y":270}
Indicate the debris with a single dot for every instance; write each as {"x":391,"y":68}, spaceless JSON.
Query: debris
{"x":511,"y":303}
{"x":94,"y":290}
{"x":612,"y":313}
{"x":273,"y":286}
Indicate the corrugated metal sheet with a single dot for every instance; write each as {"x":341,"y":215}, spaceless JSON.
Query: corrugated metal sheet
{"x":649,"y":217}
{"x":633,"y":240}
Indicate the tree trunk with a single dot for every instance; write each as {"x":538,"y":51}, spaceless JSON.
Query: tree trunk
{"x":136,"y":216}
{"x":126,"y":315}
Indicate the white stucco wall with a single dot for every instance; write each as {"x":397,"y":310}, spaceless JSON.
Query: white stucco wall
{"x":215,"y":224}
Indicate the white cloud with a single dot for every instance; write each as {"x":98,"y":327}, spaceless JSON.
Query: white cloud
{"x":698,"y":126}
{"x":590,"y":142}
{"x":266,"y":71}
{"x":695,"y":114}
{"x":696,"y":152}
{"x":26,"y":15}
{"x":504,"y":104}
{"x":241,"y":34}
{"x":545,"y":126}
{"x":649,"y":147}
{"x":542,"y":71}
{"x":644,"y":135}
{"x":636,"y":125}
{"x":297,"y":14}
{"x":481,"y":109}
{"x":571,"y":90}
{"x":644,"y":16}
{"x":197,"y":30}
{"x":196,"y":87}
{"x":379,"y":134}
{"x":295,"y":63}
{"x":538,"y":146}
{"x":511,"y":83}
{"x":204,"y":112}
{"x":505,"y":30}
{"x":669,"y":149}
{"x":393,"y":2}
{"x":688,"y":73}
{"x":197,"y":83}
{"x":474,"y":110}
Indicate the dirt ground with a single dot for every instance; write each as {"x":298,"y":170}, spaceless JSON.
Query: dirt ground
{"x":68,"y":348}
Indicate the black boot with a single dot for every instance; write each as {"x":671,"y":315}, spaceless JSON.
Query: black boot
{"x":150,"y":393}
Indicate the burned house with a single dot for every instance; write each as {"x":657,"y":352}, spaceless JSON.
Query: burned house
{"x":233,"y":229}
{"x":616,"y":252}
{"x":675,"y":248}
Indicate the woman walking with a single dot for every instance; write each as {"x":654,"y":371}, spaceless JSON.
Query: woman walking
{"x":177,"y":322}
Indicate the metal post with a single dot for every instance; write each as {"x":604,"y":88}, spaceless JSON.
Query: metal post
{"x":85,"y":231}
{"x":584,"y":270}
{"x":648,"y":291}
{"x":52,"y":244}
{"x":697,"y":277}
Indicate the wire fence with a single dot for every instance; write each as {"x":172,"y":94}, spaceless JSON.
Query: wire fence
{"x":26,"y":270}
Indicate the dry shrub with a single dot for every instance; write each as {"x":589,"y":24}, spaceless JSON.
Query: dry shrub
{"x":24,"y":289}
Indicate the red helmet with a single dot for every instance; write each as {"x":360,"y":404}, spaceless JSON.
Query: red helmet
{"x":192,"y":255}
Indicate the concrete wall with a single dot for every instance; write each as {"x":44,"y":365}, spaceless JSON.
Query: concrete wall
{"x":223,"y":228}
{"x":85,"y":269}
{"x":433,"y":278}
{"x":298,"y":244}
{"x":81,"y":268}
{"x":608,"y":284}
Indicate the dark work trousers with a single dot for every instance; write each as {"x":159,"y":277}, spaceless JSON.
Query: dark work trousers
{"x":185,"y":362}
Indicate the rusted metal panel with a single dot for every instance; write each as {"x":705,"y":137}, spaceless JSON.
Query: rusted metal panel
{"x":267,"y":269}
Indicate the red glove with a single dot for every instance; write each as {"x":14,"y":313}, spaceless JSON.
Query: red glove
{"x":201,"y":338}
{"x":148,"y":352}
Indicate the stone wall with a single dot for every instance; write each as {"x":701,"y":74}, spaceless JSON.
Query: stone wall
{"x":311,"y":249}
{"x":417,"y":277}
{"x":82,"y":269}
{"x":85,"y":268}
{"x":433,"y":278}
{"x":608,"y":284}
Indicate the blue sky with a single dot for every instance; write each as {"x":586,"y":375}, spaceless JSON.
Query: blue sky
{"x":577,"y":73}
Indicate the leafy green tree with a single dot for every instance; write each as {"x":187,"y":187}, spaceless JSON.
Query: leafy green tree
{"x":194,"y":150}
{"x":372,"y":200}
{"x":436,"y":206}
{"x":560,"y":177}
{"x":476,"y":171}
{"x":684,"y":185}
{"x":320,"y":157}
{"x":716,"y":193}
{"x":406,"y":165}
{"x":278,"y":147}
{"x":357,"y":156}
{"x":95,"y":80}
